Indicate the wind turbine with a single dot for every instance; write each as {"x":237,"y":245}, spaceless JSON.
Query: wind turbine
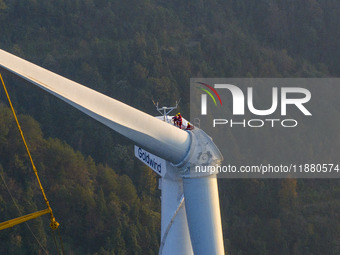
{"x":190,"y":216}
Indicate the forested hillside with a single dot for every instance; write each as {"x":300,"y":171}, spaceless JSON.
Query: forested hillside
{"x":136,"y":51}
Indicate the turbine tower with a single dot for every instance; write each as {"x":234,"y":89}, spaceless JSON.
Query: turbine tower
{"x":190,"y":216}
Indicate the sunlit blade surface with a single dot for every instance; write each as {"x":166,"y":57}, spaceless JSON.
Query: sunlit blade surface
{"x":154,"y":135}
{"x":203,"y":214}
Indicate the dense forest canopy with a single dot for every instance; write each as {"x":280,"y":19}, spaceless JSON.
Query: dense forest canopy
{"x":136,"y":51}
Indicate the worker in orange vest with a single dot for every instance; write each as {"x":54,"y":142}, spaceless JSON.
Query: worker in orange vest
{"x":179,"y":120}
{"x":189,"y":127}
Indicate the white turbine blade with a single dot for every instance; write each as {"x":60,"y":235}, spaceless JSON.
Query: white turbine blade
{"x":203,"y":214}
{"x":154,"y":135}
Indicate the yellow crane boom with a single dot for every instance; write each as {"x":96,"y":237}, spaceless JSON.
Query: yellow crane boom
{"x":16,"y":221}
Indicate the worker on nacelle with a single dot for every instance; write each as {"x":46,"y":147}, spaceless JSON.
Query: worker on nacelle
{"x":189,"y":126}
{"x":175,"y":119}
{"x":179,"y":120}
